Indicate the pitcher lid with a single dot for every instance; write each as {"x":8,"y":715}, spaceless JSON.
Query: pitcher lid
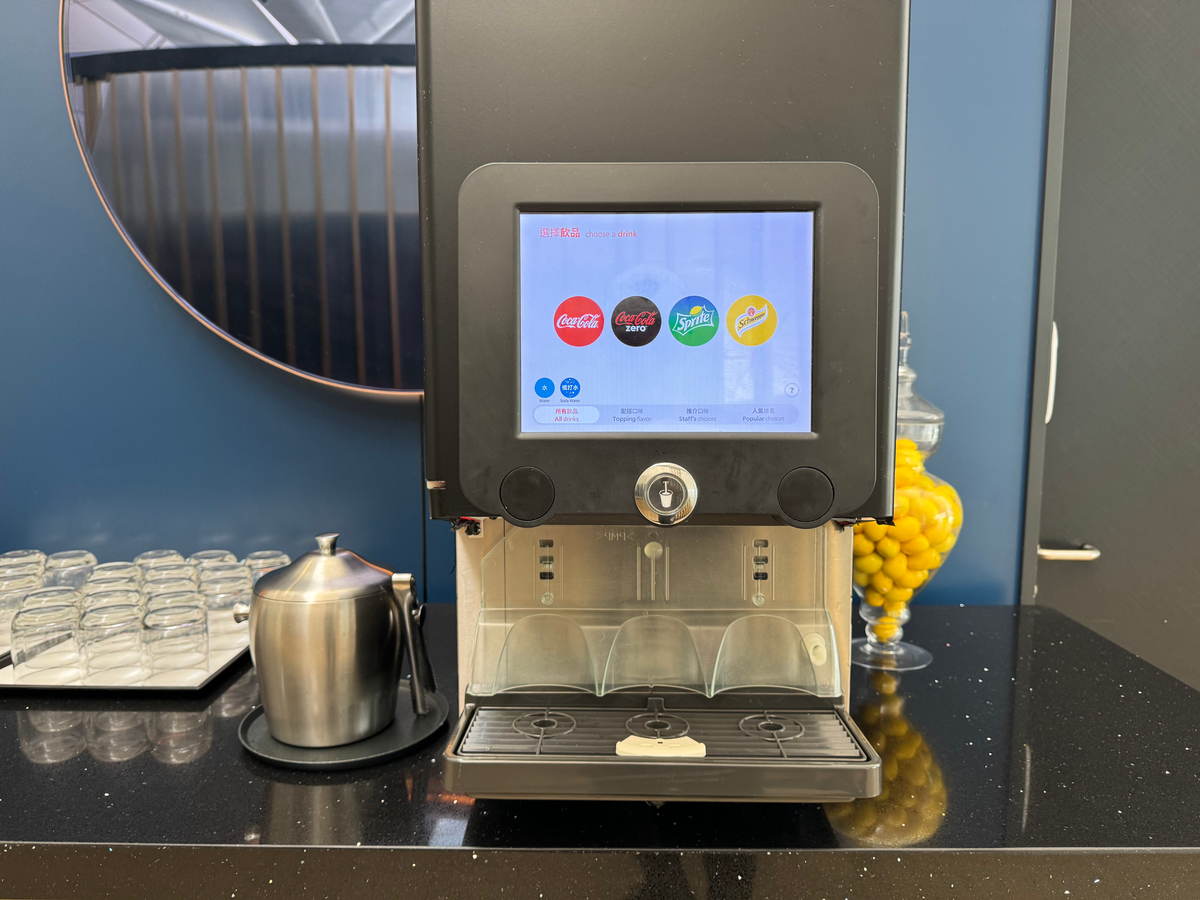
{"x":326,"y":573}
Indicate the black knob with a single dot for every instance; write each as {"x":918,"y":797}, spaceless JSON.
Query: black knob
{"x":805,"y":494}
{"x":527,"y":493}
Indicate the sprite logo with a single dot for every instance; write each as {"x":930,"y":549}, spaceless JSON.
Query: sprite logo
{"x":694,"y":321}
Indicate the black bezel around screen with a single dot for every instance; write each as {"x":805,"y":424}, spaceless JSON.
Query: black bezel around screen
{"x":737,"y":473}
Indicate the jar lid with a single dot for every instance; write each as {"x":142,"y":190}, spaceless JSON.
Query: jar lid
{"x":326,"y":573}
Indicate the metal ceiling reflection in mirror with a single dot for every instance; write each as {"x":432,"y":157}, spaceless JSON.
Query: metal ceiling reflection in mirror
{"x":261,"y":155}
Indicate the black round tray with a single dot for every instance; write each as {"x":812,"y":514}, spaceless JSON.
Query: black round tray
{"x":407,"y":732}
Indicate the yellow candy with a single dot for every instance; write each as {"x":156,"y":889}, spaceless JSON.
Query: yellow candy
{"x":900,"y":507}
{"x":858,"y":527}
{"x":887,"y":548}
{"x":937,"y":531}
{"x":893,"y":607}
{"x":881,"y":582}
{"x":862,"y":546}
{"x":886,"y":629}
{"x":899,"y":595}
{"x":871,"y":563}
{"x":875,"y":531}
{"x":929,"y":511}
{"x":917,"y":545}
{"x":905,"y":529}
{"x":905,"y":478}
{"x":930,"y":559}
{"x":906,"y":444}
{"x":896,"y":566}
{"x":873,"y":597}
{"x":912,"y":578}
{"x":947,"y":545}
{"x":925,"y":481}
{"x":862,"y":579}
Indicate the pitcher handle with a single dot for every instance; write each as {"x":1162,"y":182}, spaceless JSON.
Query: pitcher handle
{"x":404,"y":589}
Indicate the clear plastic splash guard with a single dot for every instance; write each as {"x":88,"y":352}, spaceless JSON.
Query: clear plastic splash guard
{"x":596,"y":609}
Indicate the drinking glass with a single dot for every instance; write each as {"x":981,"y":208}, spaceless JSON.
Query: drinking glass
{"x":186,"y":597}
{"x":52,"y":596}
{"x":122,"y":596}
{"x":180,"y":585}
{"x":111,"y":640}
{"x":12,"y":592}
{"x":225,"y":572}
{"x":69,"y":568}
{"x":45,"y":645}
{"x":171,"y":572}
{"x":126,"y":570}
{"x":109,"y":584}
{"x":260,"y":562}
{"x":176,"y":643}
{"x":210,"y":558}
{"x":18,"y":570}
{"x":23,"y":558}
{"x":151,"y":559}
{"x":220,"y":596}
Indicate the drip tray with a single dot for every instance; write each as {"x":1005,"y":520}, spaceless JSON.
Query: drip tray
{"x":750,"y":754}
{"x":728,"y":734}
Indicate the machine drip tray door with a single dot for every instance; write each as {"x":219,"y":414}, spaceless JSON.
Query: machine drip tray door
{"x":812,"y":755}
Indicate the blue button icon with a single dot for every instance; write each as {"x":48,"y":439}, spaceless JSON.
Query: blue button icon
{"x":544,"y":387}
{"x":569,"y":388}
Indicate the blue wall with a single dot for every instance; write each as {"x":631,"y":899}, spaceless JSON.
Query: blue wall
{"x":976,"y":133}
{"x":124,"y":425}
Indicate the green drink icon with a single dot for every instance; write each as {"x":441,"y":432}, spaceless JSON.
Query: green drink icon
{"x":694,"y":321}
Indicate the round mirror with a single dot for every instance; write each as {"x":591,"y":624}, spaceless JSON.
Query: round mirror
{"x":261,"y":158}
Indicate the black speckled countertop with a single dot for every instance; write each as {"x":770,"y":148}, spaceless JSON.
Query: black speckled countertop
{"x":1029,"y":733}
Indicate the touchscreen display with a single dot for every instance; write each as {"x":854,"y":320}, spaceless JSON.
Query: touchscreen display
{"x":666,"y":322}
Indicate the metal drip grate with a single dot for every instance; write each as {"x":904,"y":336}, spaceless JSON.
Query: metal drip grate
{"x":657,"y":725}
{"x":772,"y":727}
{"x":543,"y":724}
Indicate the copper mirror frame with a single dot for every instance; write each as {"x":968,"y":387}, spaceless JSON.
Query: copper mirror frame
{"x":268,"y":186}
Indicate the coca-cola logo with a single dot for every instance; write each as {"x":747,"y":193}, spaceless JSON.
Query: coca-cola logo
{"x":578,"y":321}
{"x":636,"y":321}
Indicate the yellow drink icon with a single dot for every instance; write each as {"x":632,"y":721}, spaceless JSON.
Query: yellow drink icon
{"x":751,"y":320}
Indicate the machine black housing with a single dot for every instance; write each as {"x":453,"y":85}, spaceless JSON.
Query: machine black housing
{"x":625,"y":81}
{"x":739,"y":475}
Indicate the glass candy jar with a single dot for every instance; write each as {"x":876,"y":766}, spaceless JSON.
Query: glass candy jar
{"x":893,"y":563}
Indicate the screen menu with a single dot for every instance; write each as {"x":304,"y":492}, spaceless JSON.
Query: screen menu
{"x":696,"y":322}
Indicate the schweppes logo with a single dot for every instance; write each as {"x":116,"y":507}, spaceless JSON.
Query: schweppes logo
{"x":751,"y":320}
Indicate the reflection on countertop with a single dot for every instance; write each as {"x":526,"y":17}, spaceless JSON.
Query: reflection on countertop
{"x":1027,"y":731}
{"x":912,"y":804}
{"x":174,"y":737}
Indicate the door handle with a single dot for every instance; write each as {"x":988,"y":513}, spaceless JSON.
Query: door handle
{"x":1086,"y":553}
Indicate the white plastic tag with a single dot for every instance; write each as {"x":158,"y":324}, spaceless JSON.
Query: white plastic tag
{"x":677,"y":747}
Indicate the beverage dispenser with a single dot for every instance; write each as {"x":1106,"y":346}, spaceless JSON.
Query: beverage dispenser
{"x":661,"y":251}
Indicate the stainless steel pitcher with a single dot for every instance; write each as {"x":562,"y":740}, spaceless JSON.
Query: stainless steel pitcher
{"x":328,"y":634}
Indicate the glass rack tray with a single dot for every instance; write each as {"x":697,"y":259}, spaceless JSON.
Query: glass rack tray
{"x":218,"y":662}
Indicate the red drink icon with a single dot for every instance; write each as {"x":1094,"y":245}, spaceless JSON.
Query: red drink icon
{"x":578,"y":321}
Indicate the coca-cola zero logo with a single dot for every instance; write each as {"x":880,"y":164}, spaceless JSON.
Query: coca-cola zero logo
{"x":578,"y":321}
{"x":636,"y":321}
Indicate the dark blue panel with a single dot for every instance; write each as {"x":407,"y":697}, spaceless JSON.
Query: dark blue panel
{"x":125,"y":424}
{"x":976,"y":132}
